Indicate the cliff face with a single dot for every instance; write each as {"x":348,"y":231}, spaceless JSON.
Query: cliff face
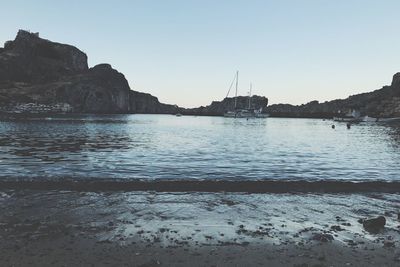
{"x":218,"y":108}
{"x":148,"y":104}
{"x":381,"y":103}
{"x":40,"y":72}
{"x":30,"y":59}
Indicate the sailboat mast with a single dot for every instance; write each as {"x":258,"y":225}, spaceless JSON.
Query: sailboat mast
{"x":251,"y":85}
{"x":237,"y":81}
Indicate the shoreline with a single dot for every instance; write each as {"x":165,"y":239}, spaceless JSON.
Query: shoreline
{"x":58,"y":228}
{"x":195,"y":185}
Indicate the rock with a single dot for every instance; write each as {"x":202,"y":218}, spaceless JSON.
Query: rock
{"x":396,"y":80}
{"x":351,"y":242}
{"x":31,"y":59}
{"x":337,"y":228}
{"x":388,"y":244}
{"x":38,"y":75}
{"x":384,"y":102}
{"x":322,"y":237}
{"x":388,"y":214}
{"x":374,"y":225}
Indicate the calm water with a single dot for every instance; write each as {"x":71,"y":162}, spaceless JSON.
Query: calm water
{"x":165,"y":146}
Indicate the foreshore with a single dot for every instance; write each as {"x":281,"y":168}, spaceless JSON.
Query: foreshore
{"x":137,"y":228}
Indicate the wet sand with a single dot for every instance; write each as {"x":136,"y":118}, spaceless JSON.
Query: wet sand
{"x":64,"y":228}
{"x":195,"y":185}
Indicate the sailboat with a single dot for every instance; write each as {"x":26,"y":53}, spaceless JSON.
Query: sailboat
{"x":248,"y":112}
{"x":232,"y":113}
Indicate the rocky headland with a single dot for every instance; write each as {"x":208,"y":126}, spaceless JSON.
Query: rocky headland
{"x":40,"y":76}
{"x":382,"y":103}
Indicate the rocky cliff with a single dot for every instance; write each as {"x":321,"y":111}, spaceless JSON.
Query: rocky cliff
{"x":48,"y":74}
{"x":381,"y":103}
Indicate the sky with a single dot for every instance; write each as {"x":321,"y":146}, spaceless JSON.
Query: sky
{"x":186,"y":52}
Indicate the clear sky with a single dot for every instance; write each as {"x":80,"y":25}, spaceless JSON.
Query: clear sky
{"x":186,"y":52}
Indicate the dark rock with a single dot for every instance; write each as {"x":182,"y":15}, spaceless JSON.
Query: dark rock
{"x":147,"y":104}
{"x":388,"y":244}
{"x":381,"y":103}
{"x":396,"y":80}
{"x":339,"y":219}
{"x":351,"y":242}
{"x":337,"y":228}
{"x":374,"y":225}
{"x":40,"y":74}
{"x":322,"y":237}
{"x":31,"y":59}
{"x":388,"y":214}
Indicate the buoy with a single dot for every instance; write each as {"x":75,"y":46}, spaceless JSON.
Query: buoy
{"x":348,"y":125}
{"x":333,"y":126}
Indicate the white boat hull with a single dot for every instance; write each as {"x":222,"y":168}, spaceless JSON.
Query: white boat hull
{"x":245,"y":114}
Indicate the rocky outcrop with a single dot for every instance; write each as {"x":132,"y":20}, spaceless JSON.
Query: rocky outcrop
{"x":41,"y":74}
{"x":31,"y":59}
{"x":218,"y":108}
{"x":381,"y":103}
{"x":148,"y":104}
{"x":374,"y":225}
{"x":99,"y":90}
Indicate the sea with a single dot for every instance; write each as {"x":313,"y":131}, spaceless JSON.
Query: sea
{"x":160,"y":147}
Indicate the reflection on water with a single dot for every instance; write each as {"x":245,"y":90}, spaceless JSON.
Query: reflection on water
{"x":162,"y":146}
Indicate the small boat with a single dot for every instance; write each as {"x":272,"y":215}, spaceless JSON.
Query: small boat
{"x":178,"y":114}
{"x":346,"y":119}
{"x":369,"y":119}
{"x":388,"y":119}
{"x":352,"y":116}
{"x":230,"y":114}
{"x":261,"y":115}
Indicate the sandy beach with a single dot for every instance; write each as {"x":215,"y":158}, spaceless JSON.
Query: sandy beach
{"x":68,"y":228}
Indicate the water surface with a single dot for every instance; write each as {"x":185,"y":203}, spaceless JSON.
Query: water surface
{"x":188,"y":147}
